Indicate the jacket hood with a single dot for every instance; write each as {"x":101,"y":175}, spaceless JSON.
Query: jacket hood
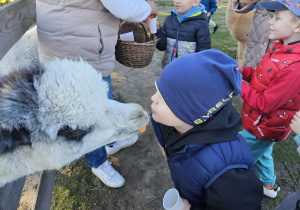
{"x":223,"y":127}
{"x":196,"y":11}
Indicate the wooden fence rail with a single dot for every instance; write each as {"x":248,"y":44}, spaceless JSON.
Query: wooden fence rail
{"x":15,"y":20}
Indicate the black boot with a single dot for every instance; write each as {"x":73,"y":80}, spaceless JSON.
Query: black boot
{"x":215,"y":28}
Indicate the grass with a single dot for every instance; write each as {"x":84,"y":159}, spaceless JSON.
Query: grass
{"x":72,"y":188}
{"x":74,"y":184}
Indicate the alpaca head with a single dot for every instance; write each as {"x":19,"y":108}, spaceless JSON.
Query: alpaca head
{"x":53,"y":114}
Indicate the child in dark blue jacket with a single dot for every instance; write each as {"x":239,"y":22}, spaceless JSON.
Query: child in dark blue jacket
{"x":194,"y":121}
{"x":210,"y":7}
{"x":185,"y":31}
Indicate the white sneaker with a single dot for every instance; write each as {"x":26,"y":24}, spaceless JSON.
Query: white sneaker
{"x":108,"y":175}
{"x":120,"y":145}
{"x":271,"y":193}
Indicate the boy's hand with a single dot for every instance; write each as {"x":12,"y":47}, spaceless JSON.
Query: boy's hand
{"x":153,"y":7}
{"x":187,"y":204}
{"x":208,"y":14}
{"x":148,"y":28}
{"x":295,"y":123}
{"x":240,"y":69}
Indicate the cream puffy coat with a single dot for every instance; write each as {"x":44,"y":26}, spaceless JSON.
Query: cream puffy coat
{"x":87,"y":29}
{"x":258,"y":41}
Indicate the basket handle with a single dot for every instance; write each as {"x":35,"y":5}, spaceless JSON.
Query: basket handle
{"x":144,"y":29}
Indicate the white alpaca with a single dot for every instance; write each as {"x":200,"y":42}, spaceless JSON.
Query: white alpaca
{"x":53,"y":114}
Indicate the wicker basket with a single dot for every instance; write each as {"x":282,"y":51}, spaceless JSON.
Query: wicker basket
{"x":137,"y":54}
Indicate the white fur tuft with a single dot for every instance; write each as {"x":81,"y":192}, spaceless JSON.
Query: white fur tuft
{"x":86,"y":93}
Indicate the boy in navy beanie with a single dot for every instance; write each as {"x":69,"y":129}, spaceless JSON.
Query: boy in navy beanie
{"x":194,"y":121}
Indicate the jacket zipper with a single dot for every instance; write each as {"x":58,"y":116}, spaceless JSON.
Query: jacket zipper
{"x":176,"y":44}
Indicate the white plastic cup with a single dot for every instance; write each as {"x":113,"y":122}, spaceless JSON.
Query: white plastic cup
{"x":172,"y":200}
{"x":152,"y":25}
{"x":127,"y":36}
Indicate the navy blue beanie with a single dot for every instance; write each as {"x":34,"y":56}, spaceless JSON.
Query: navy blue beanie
{"x":196,"y":86}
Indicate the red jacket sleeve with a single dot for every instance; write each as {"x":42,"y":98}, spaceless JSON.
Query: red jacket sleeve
{"x":247,"y":73}
{"x":283,"y":88}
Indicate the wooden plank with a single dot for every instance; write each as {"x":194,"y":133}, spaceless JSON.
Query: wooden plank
{"x":10,"y":194}
{"x":15,"y":19}
{"x":44,"y":192}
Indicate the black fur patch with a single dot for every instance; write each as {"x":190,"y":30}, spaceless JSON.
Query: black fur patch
{"x":18,"y":107}
{"x":73,"y":135}
{"x":9,"y":140}
{"x":18,"y":99}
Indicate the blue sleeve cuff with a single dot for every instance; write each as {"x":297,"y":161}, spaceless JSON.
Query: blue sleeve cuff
{"x":297,"y":139}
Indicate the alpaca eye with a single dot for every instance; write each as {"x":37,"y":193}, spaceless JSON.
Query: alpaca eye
{"x":73,"y":135}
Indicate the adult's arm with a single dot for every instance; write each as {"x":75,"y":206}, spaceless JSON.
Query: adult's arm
{"x":129,"y":10}
{"x":283,"y":88}
{"x":243,"y":6}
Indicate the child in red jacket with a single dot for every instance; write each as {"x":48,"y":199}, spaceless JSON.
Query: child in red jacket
{"x":272,"y":96}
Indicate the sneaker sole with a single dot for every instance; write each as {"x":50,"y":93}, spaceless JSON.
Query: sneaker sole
{"x":104,"y":182}
{"x":112,"y":186}
{"x":269,"y":195}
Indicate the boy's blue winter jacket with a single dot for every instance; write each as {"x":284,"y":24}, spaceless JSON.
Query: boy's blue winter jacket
{"x":200,"y":156}
{"x":188,"y":34}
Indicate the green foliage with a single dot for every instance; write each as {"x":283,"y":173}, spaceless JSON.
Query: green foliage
{"x":163,"y":2}
{"x":4,"y":2}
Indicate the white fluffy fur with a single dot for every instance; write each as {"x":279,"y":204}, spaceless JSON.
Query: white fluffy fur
{"x":71,"y":93}
{"x":86,"y":100}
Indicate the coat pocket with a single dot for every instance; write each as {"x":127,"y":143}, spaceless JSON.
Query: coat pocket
{"x":101,"y":43}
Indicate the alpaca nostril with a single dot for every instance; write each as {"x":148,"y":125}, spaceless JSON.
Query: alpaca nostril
{"x":139,"y":114}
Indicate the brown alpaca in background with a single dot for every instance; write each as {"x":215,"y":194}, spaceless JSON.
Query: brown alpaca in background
{"x":238,"y":25}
